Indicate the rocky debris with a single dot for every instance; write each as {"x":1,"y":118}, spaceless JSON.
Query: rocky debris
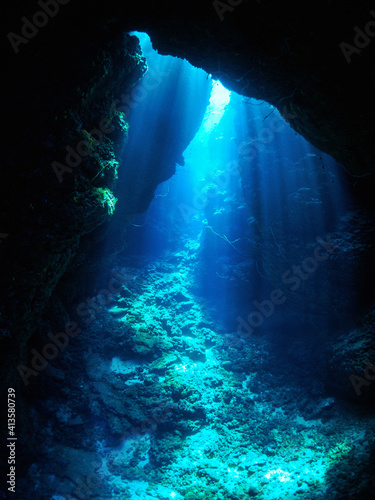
{"x":351,"y":362}
{"x":224,"y":421}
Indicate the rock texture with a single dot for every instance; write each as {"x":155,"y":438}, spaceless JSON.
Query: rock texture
{"x":287,"y":55}
{"x":53,"y":207}
{"x":154,"y":396}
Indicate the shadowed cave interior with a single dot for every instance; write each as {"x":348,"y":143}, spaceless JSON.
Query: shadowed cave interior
{"x":194,"y":319}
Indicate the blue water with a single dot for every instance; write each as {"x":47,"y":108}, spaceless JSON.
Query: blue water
{"x":291,"y":196}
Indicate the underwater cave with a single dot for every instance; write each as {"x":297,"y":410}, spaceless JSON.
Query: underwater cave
{"x":187,"y":241}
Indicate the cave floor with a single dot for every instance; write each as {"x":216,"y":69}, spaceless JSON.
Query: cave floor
{"x":155,"y":400}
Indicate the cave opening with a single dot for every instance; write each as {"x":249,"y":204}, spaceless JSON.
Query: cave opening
{"x":246,"y":181}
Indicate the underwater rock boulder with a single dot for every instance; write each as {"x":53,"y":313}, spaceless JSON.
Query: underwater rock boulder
{"x":351,"y":363}
{"x":143,"y":341}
